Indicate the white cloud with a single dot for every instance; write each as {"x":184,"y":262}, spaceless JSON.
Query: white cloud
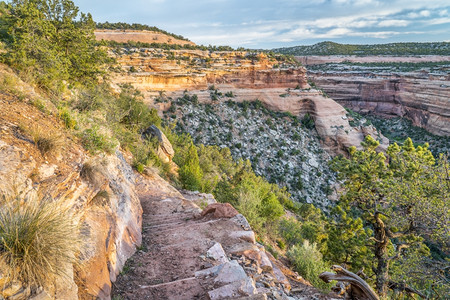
{"x":425,"y":13}
{"x":393,"y":23}
{"x":443,"y":13}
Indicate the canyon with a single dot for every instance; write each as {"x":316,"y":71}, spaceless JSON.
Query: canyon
{"x":423,"y":96}
{"x":277,"y":82}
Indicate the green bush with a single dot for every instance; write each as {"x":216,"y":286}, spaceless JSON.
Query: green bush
{"x":307,"y":261}
{"x":94,"y":141}
{"x":38,"y":239}
{"x":67,"y":117}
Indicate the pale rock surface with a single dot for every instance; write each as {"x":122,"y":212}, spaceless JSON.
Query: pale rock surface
{"x":216,"y":252}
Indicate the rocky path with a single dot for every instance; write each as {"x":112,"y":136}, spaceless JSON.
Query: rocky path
{"x":185,"y":256}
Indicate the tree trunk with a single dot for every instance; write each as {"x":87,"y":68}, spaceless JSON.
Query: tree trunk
{"x":381,"y":243}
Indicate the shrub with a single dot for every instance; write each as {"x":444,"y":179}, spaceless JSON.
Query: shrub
{"x":94,"y":141}
{"x":308,"y":121}
{"x":307,"y":261}
{"x":67,"y":118}
{"x":38,"y":239}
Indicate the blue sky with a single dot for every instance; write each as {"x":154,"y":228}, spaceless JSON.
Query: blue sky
{"x":282,"y":23}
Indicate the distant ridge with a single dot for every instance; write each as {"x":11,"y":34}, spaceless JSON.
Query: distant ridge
{"x":137,"y":26}
{"x":395,"y":49}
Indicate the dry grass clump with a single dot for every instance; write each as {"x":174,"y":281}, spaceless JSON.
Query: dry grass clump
{"x":47,"y":141}
{"x":38,"y":239}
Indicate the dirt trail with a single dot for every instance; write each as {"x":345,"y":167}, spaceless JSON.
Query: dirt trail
{"x":175,"y":242}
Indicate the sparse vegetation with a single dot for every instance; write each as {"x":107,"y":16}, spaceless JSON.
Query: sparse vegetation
{"x":38,"y":239}
{"x":48,"y":142}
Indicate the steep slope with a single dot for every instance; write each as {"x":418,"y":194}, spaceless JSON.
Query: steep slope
{"x":102,"y":194}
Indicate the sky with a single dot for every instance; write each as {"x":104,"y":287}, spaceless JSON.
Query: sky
{"x":282,"y":23}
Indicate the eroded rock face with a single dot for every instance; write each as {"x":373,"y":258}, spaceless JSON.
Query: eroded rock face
{"x":156,"y":70}
{"x":106,"y":202}
{"x":247,"y":77}
{"x":422,"y":98}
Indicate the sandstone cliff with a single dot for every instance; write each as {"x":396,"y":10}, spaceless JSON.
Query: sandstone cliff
{"x":247,"y":75}
{"x":103,"y":196}
{"x":421,"y":97}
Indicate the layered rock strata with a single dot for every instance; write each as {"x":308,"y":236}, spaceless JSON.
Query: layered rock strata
{"x":421,"y":97}
{"x":247,"y":76}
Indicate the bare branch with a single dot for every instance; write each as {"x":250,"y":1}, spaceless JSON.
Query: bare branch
{"x":359,"y":287}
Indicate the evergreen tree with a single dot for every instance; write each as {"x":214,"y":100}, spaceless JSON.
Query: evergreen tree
{"x":403,"y":198}
{"x":50,"y":41}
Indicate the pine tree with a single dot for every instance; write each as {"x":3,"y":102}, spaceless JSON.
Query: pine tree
{"x":402,"y":198}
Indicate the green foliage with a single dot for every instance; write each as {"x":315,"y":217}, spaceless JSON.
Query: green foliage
{"x":38,"y":240}
{"x":308,"y":121}
{"x":94,"y":141}
{"x":50,"y":41}
{"x":347,"y":243}
{"x":307,"y":261}
{"x":190,"y":171}
{"x":136,"y":26}
{"x":67,"y":117}
{"x":135,"y":115}
{"x":393,"y":196}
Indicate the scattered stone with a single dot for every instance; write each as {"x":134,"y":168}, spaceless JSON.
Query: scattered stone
{"x":265,"y":263}
{"x":217,"y":253}
{"x":209,"y":272}
{"x":230,"y":272}
{"x":243,"y":287}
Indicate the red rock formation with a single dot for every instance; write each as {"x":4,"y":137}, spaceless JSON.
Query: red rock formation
{"x":249,"y":77}
{"x":423,"y":98}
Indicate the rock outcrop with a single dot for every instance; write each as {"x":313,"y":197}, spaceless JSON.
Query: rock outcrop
{"x":176,"y":70}
{"x":247,"y":76}
{"x":101,"y":190}
{"x":143,"y":36}
{"x":421,"y":97}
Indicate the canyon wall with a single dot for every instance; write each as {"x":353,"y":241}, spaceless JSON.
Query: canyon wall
{"x":99,"y":190}
{"x":421,"y":97}
{"x":247,"y":76}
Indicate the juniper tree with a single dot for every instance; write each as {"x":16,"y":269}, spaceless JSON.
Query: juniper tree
{"x":402,"y":197}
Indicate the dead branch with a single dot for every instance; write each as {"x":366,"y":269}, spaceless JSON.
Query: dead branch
{"x":359,"y":290}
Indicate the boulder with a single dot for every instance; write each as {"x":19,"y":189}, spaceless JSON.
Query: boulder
{"x":244,"y":287}
{"x":220,"y":210}
{"x":165,"y":150}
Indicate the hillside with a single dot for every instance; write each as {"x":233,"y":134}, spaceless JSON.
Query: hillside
{"x":132,"y":170}
{"x":393,"y":49}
